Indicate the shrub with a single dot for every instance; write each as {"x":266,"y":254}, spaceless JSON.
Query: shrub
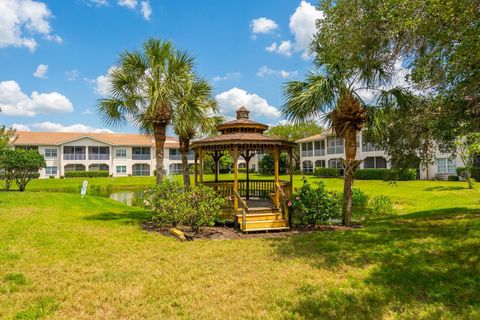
{"x":326,"y":172}
{"x":359,"y":203}
{"x":86,"y":174}
{"x":370,"y":174}
{"x":380,"y":206}
{"x":315,"y":205}
{"x":453,"y":178}
{"x":475,"y":173}
{"x":170,"y":204}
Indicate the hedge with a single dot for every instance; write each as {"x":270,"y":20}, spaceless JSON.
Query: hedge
{"x":475,"y":173}
{"x":386,"y":174}
{"x":326,"y":172}
{"x":86,"y":174}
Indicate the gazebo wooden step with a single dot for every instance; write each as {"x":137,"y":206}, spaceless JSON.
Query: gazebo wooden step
{"x":260,"y":216}
{"x":265,"y":225}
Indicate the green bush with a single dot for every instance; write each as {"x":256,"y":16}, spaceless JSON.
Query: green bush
{"x":86,"y":174}
{"x":359,"y":203}
{"x":312,"y":206}
{"x":381,"y":206}
{"x":453,"y":178}
{"x":326,"y":172}
{"x":171,"y":205}
{"x":370,"y":174}
{"x":475,"y":173}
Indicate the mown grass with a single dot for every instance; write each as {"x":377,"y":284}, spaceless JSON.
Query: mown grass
{"x":64,"y":257}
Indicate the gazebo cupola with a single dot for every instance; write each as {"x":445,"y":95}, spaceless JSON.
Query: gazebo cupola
{"x":245,"y":138}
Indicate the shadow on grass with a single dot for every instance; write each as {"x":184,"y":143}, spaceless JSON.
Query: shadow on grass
{"x":444,"y":188}
{"x":135,"y":217}
{"x":408,"y":267}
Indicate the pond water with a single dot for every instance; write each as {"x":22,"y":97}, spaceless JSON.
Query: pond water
{"x":129,"y":198}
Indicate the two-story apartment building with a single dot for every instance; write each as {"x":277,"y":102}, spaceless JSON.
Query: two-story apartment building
{"x":326,"y":150}
{"x":119,"y":154}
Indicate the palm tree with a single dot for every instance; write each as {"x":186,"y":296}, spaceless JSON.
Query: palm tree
{"x":195,"y":109}
{"x":334,"y":96}
{"x":143,"y":90}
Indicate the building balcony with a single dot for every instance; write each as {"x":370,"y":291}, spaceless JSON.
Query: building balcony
{"x":141,"y":157}
{"x":319,"y":152}
{"x":98,"y":157}
{"x":179,"y":157}
{"x":308,"y":153}
{"x":76,"y":156}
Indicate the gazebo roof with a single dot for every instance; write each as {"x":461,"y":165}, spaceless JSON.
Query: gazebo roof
{"x":242,"y":131}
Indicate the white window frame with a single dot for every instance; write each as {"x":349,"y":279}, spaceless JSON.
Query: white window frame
{"x":51,"y":168}
{"x":51,"y":150}
{"x":123,"y":171}
{"x":121,"y":153}
{"x":446,"y":165}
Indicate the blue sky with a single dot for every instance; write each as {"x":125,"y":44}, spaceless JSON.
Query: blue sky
{"x":55,"y":55}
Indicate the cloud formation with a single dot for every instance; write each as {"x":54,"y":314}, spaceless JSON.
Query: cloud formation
{"x":41,"y":71}
{"x":229,"y":101}
{"x":22,"y":20}
{"x":16,"y":103}
{"x":265,"y":71}
{"x":58,"y":127}
{"x":263,"y":25}
{"x":228,"y":76}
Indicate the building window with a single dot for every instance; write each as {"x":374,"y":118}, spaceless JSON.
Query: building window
{"x":335,"y":163}
{"x":335,"y":145}
{"x":75,"y":167}
{"x":307,"y":166}
{"x":141,"y":153}
{"x":51,"y":170}
{"x":98,"y":167}
{"x":121,"y":153}
{"x":307,"y":149}
{"x":50,"y":153}
{"x":175,"y":168}
{"x":320,"y":164}
{"x":121,"y":169}
{"x":375,"y":163}
{"x":446,"y":165}
{"x":319,"y":148}
{"x":140,"y":169}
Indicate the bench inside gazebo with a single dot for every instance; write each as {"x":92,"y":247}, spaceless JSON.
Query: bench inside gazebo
{"x":256,"y":205}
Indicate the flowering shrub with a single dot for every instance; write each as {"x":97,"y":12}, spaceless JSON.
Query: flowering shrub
{"x":171,"y":205}
{"x":312,"y":206}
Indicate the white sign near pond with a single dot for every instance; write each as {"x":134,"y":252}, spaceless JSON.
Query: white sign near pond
{"x":84,"y":188}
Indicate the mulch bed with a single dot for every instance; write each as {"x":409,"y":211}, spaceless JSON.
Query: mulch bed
{"x":231,"y":233}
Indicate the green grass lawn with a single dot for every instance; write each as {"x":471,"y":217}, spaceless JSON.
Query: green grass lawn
{"x":64,"y":257}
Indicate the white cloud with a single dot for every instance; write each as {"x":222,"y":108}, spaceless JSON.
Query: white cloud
{"x":16,"y":103}
{"x":102,"y":83}
{"x":72,"y":75}
{"x":303,"y":27}
{"x":127,"y":3}
{"x":146,"y":10}
{"x":41,"y":71}
{"x":284,"y":48}
{"x":98,"y":3}
{"x":20,"y":127}
{"x":263,"y":25}
{"x":87,"y":112}
{"x":58,"y":127}
{"x":21,"y":20}
{"x":228,"y":76}
{"x":229,"y":101}
{"x":265,"y":71}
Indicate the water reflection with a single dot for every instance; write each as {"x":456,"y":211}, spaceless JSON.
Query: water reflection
{"x":129,"y":198}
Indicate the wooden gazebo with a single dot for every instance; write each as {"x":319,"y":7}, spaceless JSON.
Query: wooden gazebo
{"x":255,"y":204}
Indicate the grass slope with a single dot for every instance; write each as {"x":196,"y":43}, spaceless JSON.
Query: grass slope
{"x":64,"y":257}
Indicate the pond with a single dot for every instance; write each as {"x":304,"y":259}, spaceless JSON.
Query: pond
{"x":129,"y":198}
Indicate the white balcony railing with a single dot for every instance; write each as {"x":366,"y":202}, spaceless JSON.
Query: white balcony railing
{"x":98,"y":157}
{"x":76,"y":156}
{"x":319,"y":152}
{"x":307,"y":153}
{"x":179,"y":157}
{"x":141,"y":156}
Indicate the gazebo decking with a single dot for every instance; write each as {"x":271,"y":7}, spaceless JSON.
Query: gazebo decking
{"x":256,"y":205}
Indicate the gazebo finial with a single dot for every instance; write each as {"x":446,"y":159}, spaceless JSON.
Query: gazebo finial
{"x":242,"y":113}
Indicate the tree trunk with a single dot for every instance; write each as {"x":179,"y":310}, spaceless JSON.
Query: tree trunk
{"x":350,"y":165}
{"x":469,"y":177}
{"x":159,"y":131}
{"x":184,"y":148}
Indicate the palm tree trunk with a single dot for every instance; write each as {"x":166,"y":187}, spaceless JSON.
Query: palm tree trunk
{"x":184,"y":147}
{"x":159,"y":133}
{"x":350,"y":165}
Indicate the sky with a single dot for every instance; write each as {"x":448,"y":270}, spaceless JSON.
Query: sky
{"x":55,"y":55}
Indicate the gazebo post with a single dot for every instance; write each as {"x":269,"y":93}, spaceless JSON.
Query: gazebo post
{"x":196,"y":167}
{"x":235,"y":177}
{"x":216,"y":159}
{"x":290,"y":156}
{"x":277,"y":178}
{"x":247,"y":161}
{"x":201,"y":165}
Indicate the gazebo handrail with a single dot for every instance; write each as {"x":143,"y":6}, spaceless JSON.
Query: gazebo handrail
{"x":244,"y":208}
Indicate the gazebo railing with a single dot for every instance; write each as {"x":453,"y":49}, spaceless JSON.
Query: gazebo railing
{"x":261,"y":189}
